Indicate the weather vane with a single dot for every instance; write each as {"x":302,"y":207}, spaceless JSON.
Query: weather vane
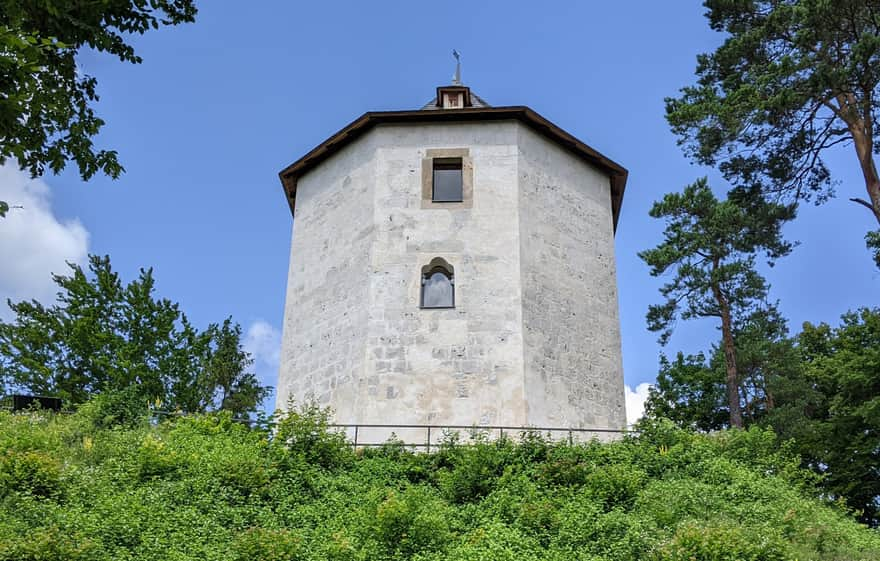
{"x":456,"y":78}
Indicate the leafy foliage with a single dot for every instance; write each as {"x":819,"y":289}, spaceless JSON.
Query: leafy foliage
{"x":792,"y":79}
{"x":710,"y":247}
{"x":206,"y":487}
{"x":839,"y":429}
{"x":689,"y":392}
{"x":34,"y":473}
{"x":307,"y":434}
{"x":720,"y":542}
{"x":872,"y":241}
{"x":46,"y":115}
{"x":120,"y":340}
{"x":820,"y":389}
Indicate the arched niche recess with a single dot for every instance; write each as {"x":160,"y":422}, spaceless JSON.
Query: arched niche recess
{"x":438,"y":284}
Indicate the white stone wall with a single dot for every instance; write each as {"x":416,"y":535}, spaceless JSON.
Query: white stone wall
{"x":534,"y":336}
{"x":574,"y":376}
{"x":325,"y":316}
{"x":458,"y":366}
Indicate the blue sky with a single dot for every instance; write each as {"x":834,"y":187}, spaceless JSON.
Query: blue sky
{"x":220,"y":106}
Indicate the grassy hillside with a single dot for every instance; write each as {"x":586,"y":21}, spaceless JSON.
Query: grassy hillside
{"x":209,"y":488}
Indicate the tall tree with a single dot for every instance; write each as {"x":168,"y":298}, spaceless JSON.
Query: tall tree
{"x":222,"y":379}
{"x":691,"y":390}
{"x":710,"y":246}
{"x":46,"y":101}
{"x":103,"y":336}
{"x":819,"y":389}
{"x":838,"y":408}
{"x":792,"y":79}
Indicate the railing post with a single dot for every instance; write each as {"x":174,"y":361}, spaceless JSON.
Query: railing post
{"x":355,"y":437}
{"x":500,"y":433}
{"x":570,"y":441}
{"x":429,"y":439}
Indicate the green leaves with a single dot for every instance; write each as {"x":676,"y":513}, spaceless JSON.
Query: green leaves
{"x":872,"y":241}
{"x":791,"y":80}
{"x":689,"y":392}
{"x":203,"y":487}
{"x":819,"y":390}
{"x":46,"y":114}
{"x":709,"y":247}
{"x":840,"y":431}
{"x":102,"y":336}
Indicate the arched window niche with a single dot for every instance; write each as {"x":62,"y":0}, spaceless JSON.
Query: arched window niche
{"x":438,"y":284}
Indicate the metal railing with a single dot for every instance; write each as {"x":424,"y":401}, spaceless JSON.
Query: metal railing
{"x":433,"y":435}
{"x":391,"y":431}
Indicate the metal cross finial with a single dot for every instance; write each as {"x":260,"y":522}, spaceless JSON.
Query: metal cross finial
{"x":456,"y":78}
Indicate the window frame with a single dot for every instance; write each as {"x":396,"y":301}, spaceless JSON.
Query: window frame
{"x":428,"y":271}
{"x":444,"y":155}
{"x":447,"y":164}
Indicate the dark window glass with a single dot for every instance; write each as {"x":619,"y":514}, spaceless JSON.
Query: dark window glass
{"x":447,"y":181}
{"x":438,"y":290}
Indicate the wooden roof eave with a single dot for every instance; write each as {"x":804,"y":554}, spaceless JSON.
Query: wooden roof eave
{"x":617,"y":173}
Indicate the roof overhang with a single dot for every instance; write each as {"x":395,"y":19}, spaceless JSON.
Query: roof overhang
{"x":617,"y":173}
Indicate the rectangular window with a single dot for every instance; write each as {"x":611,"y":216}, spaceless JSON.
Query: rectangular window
{"x":447,"y":181}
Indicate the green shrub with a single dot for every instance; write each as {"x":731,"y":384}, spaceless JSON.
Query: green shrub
{"x":49,"y":544}
{"x":611,"y":536}
{"x":34,"y":473}
{"x":532,"y":447}
{"x":565,"y":466}
{"x":518,"y":500}
{"x":578,"y":522}
{"x":155,"y":459}
{"x":340,"y":547}
{"x":125,"y":408}
{"x":259,"y":544}
{"x":494,"y":542}
{"x":615,"y":485}
{"x":205,"y":487}
{"x":539,"y":518}
{"x":474,"y":469}
{"x":412,"y":521}
{"x":722,"y":541}
{"x":763,"y":450}
{"x":246,"y":475}
{"x":306,"y":431}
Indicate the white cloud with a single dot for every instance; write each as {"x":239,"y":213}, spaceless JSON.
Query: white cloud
{"x":635,"y":402}
{"x":263,"y":341}
{"x":34,"y":243}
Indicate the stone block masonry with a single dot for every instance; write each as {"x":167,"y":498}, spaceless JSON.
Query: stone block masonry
{"x":534,"y":336}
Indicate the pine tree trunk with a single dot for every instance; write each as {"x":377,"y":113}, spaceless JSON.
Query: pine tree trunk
{"x":732,"y":381}
{"x":873,"y":187}
{"x":865,"y":150}
{"x":732,"y":375}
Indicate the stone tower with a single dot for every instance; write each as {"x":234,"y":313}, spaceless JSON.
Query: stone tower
{"x":454,"y":265}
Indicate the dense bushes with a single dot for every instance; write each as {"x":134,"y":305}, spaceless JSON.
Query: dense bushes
{"x":205,"y":487}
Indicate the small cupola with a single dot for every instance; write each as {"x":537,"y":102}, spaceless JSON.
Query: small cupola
{"x":456,"y":95}
{"x":453,"y":97}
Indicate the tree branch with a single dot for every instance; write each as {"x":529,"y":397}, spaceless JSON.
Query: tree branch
{"x":863,"y":202}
